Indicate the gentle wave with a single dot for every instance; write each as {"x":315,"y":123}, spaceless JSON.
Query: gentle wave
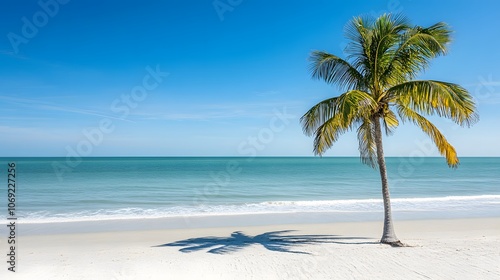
{"x":448,"y":203}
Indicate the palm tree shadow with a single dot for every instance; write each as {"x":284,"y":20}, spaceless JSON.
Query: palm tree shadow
{"x":277,"y":241}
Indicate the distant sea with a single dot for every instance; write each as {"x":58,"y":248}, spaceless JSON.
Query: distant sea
{"x":60,"y":189}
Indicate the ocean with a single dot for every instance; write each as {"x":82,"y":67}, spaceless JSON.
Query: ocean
{"x":105,"y":188}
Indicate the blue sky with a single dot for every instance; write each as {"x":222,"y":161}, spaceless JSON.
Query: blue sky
{"x":79,"y":76}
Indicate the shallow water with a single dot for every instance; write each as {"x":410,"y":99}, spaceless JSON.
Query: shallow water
{"x":61,"y":189}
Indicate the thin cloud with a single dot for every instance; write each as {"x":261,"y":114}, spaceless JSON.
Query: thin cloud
{"x":47,"y":106}
{"x":81,"y":111}
{"x":207,"y":112}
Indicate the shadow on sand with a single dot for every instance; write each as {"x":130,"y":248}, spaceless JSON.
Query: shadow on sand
{"x":279,"y":241}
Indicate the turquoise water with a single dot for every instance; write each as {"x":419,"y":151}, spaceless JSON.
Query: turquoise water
{"x":60,"y":189}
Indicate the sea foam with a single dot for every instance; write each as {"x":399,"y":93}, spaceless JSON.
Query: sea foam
{"x":488,"y":204}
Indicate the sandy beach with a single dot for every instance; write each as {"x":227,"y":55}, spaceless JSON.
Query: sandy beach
{"x":440,"y":249}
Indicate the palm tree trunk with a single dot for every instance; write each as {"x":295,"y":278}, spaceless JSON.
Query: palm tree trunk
{"x":388,"y":236}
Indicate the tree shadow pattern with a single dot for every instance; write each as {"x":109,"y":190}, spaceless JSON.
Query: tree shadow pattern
{"x":278,"y":241}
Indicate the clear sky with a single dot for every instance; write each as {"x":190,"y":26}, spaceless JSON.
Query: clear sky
{"x":90,"y":77}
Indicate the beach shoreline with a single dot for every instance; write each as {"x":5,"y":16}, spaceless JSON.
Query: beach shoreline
{"x":230,"y":220}
{"x":441,"y":249}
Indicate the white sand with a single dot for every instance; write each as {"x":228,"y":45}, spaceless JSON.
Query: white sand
{"x":442,"y":249}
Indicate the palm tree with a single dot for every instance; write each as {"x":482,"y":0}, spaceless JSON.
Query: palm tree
{"x":377,"y":79}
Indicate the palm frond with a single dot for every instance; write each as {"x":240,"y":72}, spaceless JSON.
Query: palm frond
{"x":386,"y":35}
{"x":334,"y":70}
{"x":319,"y":114}
{"x":390,"y":121}
{"x":332,"y":117}
{"x":444,"y":148}
{"x":329,"y":132}
{"x":359,"y":32}
{"x":417,"y":46}
{"x":367,"y":146}
{"x":434,"y":97}
{"x":373,"y":42}
{"x":348,"y":105}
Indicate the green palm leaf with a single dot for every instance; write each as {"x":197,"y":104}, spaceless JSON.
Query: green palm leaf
{"x":434,"y":97}
{"x":445,"y":148}
{"x":335,"y":70}
{"x":390,"y":121}
{"x":345,"y":108}
{"x":416,"y":48}
{"x":367,"y":147}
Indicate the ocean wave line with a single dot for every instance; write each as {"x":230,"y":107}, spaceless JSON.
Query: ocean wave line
{"x":448,"y":203}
